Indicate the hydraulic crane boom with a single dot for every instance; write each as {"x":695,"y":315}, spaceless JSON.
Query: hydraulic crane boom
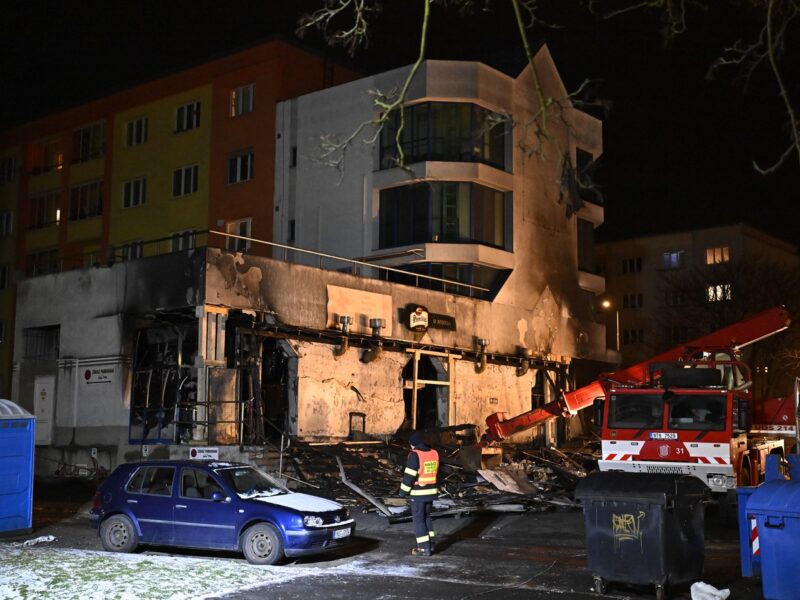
{"x":740,"y":334}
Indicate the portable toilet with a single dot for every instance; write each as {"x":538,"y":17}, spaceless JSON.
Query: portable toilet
{"x":17,"y":438}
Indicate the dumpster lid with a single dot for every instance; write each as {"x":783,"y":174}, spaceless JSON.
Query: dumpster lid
{"x":9,"y":410}
{"x":645,"y":488}
{"x":776,"y":498}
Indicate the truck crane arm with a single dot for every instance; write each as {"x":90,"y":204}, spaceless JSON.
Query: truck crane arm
{"x":738,"y":335}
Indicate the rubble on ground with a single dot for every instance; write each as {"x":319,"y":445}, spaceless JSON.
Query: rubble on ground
{"x":365,"y":474}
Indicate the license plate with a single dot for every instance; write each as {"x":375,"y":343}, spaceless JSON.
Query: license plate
{"x":655,"y":435}
{"x":341,"y":533}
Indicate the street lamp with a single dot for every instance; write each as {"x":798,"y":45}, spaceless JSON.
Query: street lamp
{"x":607,"y":304}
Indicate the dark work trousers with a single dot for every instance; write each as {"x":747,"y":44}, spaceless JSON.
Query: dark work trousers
{"x":423,"y":523}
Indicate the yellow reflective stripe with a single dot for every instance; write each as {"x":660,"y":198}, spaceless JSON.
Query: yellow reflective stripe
{"x":431,"y":534}
{"x":424,"y":538}
{"x":405,"y":488}
{"x":410,"y":471}
{"x":429,"y":492}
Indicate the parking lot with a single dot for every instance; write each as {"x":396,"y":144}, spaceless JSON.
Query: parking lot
{"x":495,"y":555}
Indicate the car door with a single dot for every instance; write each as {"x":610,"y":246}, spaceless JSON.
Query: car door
{"x":199,"y":521}
{"x":149,"y":500}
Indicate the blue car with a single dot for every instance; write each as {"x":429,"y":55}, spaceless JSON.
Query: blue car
{"x":215,"y":505}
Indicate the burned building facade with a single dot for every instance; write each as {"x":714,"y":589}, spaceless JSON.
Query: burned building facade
{"x":426,"y":295}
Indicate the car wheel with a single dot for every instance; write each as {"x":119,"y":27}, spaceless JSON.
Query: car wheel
{"x":118,"y":534}
{"x":262,"y":545}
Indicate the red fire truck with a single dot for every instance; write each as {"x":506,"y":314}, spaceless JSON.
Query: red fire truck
{"x":686,"y":411}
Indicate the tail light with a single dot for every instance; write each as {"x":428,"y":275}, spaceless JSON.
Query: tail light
{"x":97,"y":503}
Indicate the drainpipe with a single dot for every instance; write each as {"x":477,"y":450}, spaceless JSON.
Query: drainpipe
{"x":525,"y":363}
{"x":338,"y":351}
{"x":480,"y":360}
{"x":374,"y":351}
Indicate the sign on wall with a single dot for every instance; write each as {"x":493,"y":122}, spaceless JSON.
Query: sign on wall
{"x":418,"y":319}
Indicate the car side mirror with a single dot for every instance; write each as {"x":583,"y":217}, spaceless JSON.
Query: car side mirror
{"x":218,"y":497}
{"x":598,"y":412}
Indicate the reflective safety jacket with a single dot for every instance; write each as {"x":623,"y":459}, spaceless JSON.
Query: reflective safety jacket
{"x":419,"y":477}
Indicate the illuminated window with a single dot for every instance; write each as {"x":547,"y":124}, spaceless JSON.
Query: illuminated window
{"x":49,"y":156}
{"x":715,"y":256}
{"x":718,"y":293}
{"x":184,"y":181}
{"x":88,"y":142}
{"x":673,"y":259}
{"x":134,"y":192}
{"x":242,"y":227}
{"x":136,"y":132}
{"x":187,"y":117}
{"x":242,"y":100}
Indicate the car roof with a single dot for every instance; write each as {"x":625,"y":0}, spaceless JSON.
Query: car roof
{"x":184,"y":462}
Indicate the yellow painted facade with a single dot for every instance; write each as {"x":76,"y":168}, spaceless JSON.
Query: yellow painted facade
{"x":164,"y":151}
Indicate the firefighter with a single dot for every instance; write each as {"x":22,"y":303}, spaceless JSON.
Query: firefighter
{"x":419,"y":482}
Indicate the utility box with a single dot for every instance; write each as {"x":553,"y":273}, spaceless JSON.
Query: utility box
{"x":17,"y":439}
{"x":775,"y":508}
{"x":643,"y":529}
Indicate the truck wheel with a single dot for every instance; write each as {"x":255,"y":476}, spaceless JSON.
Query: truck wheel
{"x":599,"y":585}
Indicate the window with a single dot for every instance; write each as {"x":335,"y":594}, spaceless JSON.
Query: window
{"x":586,"y":261}
{"x":41,"y":343}
{"x":242,"y":100}
{"x":696,"y":412}
{"x":448,"y":212}
{"x":676,"y":335}
{"x":134,"y":192}
{"x":635,"y":411}
{"x":292,"y":230}
{"x":242,"y":228}
{"x":240,"y":167}
{"x":42,"y":263}
{"x":86,"y":201}
{"x":136,"y":132}
{"x":632,"y":265}
{"x":673,"y":298}
{"x":718,"y":292}
{"x":88,"y":142}
{"x":152,"y":480}
{"x":632,"y":336}
{"x":44,"y":210}
{"x":133,"y":250}
{"x":198,"y":484}
{"x":2,"y":331}
{"x":447,"y":131}
{"x":632,"y":300}
{"x":4,"y":277}
{"x":187,"y":117}
{"x":672,"y":260}
{"x":715,"y":256}
{"x":183,"y":240}
{"x":184,"y":181}
{"x":293,"y":157}
{"x":6,"y":223}
{"x":49,"y":156}
{"x":8,"y":169}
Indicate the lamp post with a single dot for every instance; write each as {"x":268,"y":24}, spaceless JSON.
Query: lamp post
{"x":607,"y":304}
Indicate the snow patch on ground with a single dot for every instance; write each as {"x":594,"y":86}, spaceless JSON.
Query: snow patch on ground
{"x":52,"y":573}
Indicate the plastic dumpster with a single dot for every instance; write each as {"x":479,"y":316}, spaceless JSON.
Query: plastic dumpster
{"x":775,"y":507}
{"x":749,"y":551}
{"x":643,"y":528}
{"x":17,"y":437}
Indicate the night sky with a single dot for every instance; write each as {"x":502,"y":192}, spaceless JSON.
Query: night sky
{"x":678,"y":147}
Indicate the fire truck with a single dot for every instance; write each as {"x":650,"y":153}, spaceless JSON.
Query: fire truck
{"x":685,"y":411}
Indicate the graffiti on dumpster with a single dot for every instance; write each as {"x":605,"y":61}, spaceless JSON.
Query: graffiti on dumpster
{"x":627,"y":528}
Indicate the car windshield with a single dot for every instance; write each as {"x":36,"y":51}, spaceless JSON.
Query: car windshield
{"x":250,"y":482}
{"x":697,"y":412}
{"x":635,"y":411}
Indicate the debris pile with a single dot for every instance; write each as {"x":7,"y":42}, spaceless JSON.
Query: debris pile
{"x":366,"y":474}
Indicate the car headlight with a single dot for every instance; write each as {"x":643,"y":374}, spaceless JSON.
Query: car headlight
{"x":312,"y":521}
{"x":346,"y":513}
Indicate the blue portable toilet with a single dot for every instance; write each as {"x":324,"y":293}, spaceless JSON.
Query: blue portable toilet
{"x":17,"y":439}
